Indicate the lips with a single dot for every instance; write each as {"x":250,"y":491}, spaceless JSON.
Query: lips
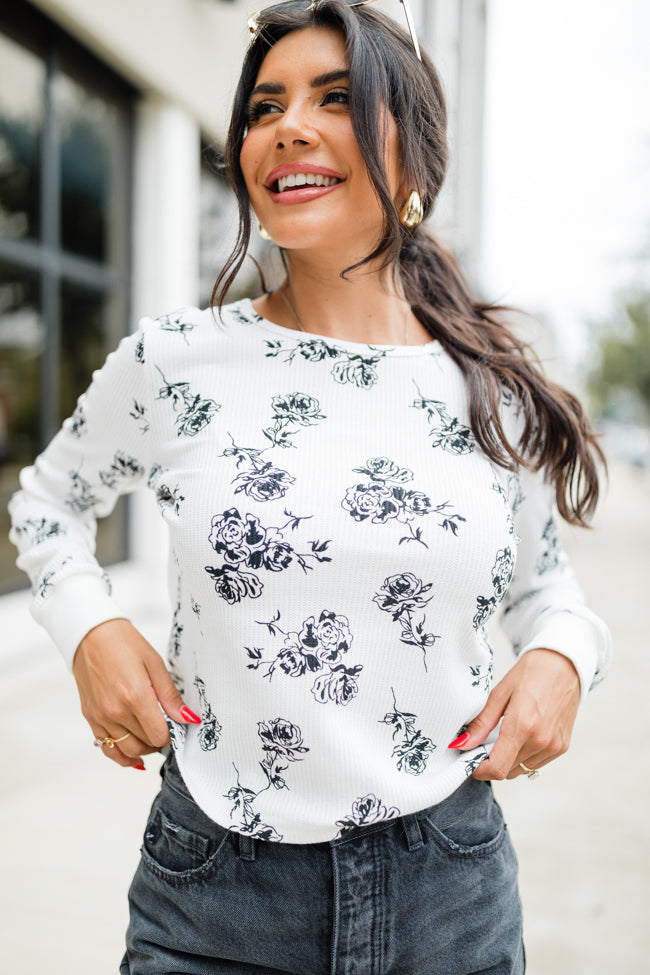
{"x":303,"y":179}
{"x":300,"y":182}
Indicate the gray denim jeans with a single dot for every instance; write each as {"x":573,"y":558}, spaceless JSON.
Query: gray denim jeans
{"x":432,"y":893}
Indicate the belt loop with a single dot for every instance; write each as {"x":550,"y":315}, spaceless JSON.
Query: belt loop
{"x":412,"y":832}
{"x":246,"y":847}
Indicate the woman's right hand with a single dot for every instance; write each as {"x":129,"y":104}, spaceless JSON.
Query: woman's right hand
{"x":123,"y":683}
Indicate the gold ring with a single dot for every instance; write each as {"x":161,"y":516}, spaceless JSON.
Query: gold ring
{"x":530,"y":772}
{"x":109,"y":742}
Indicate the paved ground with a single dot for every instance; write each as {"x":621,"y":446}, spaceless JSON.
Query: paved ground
{"x":70,"y":823}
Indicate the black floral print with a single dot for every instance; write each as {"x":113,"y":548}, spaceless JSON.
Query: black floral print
{"x":175,"y":646}
{"x":243,"y":542}
{"x":446,"y":432}
{"x":550,"y":557}
{"x":512,"y":497}
{"x":123,"y":468}
{"x":483,"y":676}
{"x":80,"y":497}
{"x":318,"y":648}
{"x":282,"y":743}
{"x":39,"y":530}
{"x":78,"y":425}
{"x":169,"y":498}
{"x":177,"y":733}
{"x":264,"y":480}
{"x":502,"y":570}
{"x":471,"y":764}
{"x":291,"y":412}
{"x":348,"y":367}
{"x":366,"y":810}
{"x":193,"y":412}
{"x":385,"y":499}
{"x":139,"y":414}
{"x":402,"y":595}
{"x":176,"y":322}
{"x":412,"y":749}
{"x":210,"y":729}
{"x":139,"y":351}
{"x":43,"y":583}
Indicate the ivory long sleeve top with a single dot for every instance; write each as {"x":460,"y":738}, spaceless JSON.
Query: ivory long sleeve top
{"x":338,"y":543}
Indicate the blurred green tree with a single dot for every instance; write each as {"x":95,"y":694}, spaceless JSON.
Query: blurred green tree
{"x":620,"y":383}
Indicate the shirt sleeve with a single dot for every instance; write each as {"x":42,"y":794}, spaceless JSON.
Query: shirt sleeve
{"x":102,"y":451}
{"x":544,"y":605}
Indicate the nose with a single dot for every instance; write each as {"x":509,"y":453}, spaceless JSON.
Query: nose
{"x":294,"y":128}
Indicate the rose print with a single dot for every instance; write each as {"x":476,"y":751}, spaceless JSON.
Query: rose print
{"x":502,"y":570}
{"x":244,"y":543}
{"x":357,"y":370}
{"x":80,"y":497}
{"x":366,"y":810}
{"x":193,"y":412}
{"x":39,"y":531}
{"x":122,"y":469}
{"x":319,"y":647}
{"x":296,"y":408}
{"x":445,"y":431}
{"x":348,"y":368}
{"x":401,"y":595}
{"x":210,"y":729}
{"x":413,"y":749}
{"x":267,"y":483}
{"x":281,"y":738}
{"x":281,"y":742}
{"x":176,"y":322}
{"x":78,"y":425}
{"x":339,"y":685}
{"x":250,"y":822}
{"x":233,"y":585}
{"x":385,"y":499}
{"x":550,"y":557}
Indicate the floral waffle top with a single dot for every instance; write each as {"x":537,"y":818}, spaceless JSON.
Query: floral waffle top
{"x":338,"y":544}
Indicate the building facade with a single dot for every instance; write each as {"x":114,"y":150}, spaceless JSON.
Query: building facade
{"x":110,"y":208}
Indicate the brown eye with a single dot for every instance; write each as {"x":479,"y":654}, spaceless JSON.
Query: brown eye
{"x":259,"y":109}
{"x":338,"y":97}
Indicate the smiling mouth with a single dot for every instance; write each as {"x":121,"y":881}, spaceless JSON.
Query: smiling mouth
{"x":297,"y":180}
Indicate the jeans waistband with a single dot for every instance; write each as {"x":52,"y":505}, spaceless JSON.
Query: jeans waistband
{"x":410,"y":824}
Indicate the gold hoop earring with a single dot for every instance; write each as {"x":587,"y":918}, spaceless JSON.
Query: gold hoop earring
{"x":412,"y":213}
{"x":264,"y":234}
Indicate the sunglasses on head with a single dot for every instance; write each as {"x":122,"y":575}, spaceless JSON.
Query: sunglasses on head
{"x":256,"y":21}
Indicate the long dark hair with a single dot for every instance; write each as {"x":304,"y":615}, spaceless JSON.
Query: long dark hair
{"x":384,"y":71}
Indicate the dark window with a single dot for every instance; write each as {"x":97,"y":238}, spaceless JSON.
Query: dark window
{"x":65,"y":178}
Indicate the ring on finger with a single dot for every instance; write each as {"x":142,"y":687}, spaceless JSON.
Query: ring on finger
{"x":531,"y":773}
{"x":109,"y":742}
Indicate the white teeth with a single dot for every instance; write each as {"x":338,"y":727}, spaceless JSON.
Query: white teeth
{"x":302,"y":179}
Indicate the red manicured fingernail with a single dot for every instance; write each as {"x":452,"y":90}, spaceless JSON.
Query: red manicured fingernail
{"x":460,"y":741}
{"x":190,"y":716}
{"x":140,"y":767}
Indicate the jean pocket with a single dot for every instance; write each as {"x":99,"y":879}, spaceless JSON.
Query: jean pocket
{"x":176,"y":850}
{"x":468,"y":824}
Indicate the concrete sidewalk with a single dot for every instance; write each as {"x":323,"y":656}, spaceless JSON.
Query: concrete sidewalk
{"x":70,"y":823}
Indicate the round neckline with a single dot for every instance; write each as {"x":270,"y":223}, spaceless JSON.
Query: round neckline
{"x":246,"y":305}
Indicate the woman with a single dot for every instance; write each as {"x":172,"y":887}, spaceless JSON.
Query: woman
{"x":356,"y":469}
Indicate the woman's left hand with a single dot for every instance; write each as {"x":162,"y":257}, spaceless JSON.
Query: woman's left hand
{"x":537,"y":703}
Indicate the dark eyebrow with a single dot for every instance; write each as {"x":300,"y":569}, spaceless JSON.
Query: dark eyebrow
{"x":277,"y":88}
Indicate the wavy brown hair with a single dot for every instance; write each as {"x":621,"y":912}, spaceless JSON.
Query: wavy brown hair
{"x":384,"y":71}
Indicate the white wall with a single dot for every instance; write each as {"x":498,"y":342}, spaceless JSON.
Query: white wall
{"x":186,"y":52}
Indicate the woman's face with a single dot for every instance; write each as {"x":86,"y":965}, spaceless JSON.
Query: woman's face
{"x":304,"y":172}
